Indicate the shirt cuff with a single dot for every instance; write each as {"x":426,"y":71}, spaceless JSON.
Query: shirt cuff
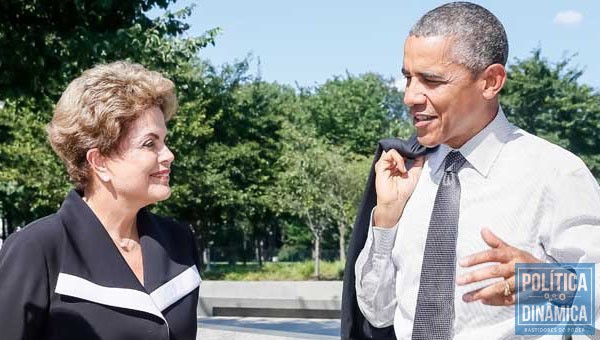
{"x":383,"y":238}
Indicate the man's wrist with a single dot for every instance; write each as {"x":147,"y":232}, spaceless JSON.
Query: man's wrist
{"x":387,"y":216}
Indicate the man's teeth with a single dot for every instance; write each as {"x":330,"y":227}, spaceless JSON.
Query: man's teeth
{"x":420,"y":118}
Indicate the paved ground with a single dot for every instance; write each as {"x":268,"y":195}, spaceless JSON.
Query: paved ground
{"x":234,"y":328}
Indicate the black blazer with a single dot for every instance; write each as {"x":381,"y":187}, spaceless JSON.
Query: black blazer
{"x":62,"y":277}
{"x":354,"y":324}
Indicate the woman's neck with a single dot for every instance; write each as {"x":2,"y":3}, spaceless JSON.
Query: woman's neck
{"x":117,"y":217}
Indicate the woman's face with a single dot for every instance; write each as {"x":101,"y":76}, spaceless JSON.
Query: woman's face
{"x":139,"y":172}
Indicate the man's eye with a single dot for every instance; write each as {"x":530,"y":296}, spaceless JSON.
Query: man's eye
{"x":432,"y":81}
{"x":149,"y":144}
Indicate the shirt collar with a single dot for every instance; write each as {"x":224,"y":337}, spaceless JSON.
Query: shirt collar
{"x":482,"y":150}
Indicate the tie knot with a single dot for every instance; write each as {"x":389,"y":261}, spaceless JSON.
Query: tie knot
{"x":454,"y":161}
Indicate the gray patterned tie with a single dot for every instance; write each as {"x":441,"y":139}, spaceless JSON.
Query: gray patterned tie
{"x":434,"y":315}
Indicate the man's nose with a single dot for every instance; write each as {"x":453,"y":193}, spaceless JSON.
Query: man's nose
{"x":414,"y":94}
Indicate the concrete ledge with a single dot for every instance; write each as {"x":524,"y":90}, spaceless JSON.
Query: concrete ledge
{"x":297,"y":299}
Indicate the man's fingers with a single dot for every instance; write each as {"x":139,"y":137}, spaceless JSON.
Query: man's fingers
{"x":390,"y":160}
{"x":492,"y":294}
{"x":491,"y":239}
{"x":382,"y":162}
{"x":492,"y":255}
{"x":397,"y":160}
{"x":485,"y":273}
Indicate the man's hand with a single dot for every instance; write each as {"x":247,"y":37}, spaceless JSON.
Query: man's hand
{"x":394,"y":185}
{"x":506,"y":257}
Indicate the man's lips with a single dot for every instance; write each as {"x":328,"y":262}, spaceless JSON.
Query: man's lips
{"x":422,"y":120}
{"x":422,"y":117}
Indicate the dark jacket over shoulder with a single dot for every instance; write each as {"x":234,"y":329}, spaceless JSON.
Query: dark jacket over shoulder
{"x":354,"y":325}
{"x":62,"y":277}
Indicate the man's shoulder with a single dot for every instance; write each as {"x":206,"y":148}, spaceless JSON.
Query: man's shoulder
{"x":538,"y":152}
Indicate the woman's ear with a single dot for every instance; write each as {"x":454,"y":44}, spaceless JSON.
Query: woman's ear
{"x":494,"y":77}
{"x":97,"y":164}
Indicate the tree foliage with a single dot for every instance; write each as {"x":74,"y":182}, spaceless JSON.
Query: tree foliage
{"x":357,"y":111}
{"x":318,"y":186}
{"x":546,"y":99}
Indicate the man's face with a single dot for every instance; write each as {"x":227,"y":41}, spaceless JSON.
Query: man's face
{"x":444,"y":98}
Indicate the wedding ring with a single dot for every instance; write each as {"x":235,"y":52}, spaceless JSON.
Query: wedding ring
{"x":507,"y":290}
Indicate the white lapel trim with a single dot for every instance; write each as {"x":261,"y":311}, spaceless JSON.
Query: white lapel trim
{"x":116,"y":297}
{"x":176,"y":288}
{"x":153,"y":303}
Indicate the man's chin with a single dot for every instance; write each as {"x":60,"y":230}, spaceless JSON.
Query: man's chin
{"x":428,"y":140}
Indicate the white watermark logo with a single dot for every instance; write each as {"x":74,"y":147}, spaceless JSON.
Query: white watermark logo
{"x":554,"y":299}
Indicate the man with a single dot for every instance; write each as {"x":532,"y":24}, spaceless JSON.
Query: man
{"x":446,"y":233}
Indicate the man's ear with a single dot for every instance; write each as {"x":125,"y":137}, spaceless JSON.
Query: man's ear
{"x":493,"y":79}
{"x":97,"y":164}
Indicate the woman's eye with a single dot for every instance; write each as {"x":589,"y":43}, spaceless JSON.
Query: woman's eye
{"x":148,"y":144}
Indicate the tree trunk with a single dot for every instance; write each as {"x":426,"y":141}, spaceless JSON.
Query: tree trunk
{"x":317,"y":256}
{"x":244,"y":248}
{"x":317,"y":245}
{"x":201,"y":240}
{"x":258,"y":246}
{"x":342,"y":231}
{"x":206,"y":258}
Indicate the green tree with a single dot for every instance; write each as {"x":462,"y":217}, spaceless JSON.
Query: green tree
{"x":320,"y":184}
{"x":357,"y":111}
{"x":225,"y":174}
{"x":45,"y":43}
{"x":344,"y":184}
{"x":546,"y":99}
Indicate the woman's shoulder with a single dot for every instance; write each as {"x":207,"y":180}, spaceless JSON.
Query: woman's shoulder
{"x":173,"y":224}
{"x":42,"y":234}
{"x":176,"y":230}
{"x":37,"y":245}
{"x":176,"y":237}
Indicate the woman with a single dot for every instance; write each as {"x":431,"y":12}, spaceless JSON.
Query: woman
{"x":103,"y":267}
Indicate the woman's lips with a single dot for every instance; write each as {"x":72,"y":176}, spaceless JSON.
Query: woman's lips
{"x":161,"y":174}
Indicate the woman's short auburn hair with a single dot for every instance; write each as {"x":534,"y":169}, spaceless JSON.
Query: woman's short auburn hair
{"x":97,"y":108}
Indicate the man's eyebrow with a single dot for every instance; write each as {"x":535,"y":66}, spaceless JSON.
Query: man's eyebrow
{"x":426,"y":75}
{"x":432,"y":76}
